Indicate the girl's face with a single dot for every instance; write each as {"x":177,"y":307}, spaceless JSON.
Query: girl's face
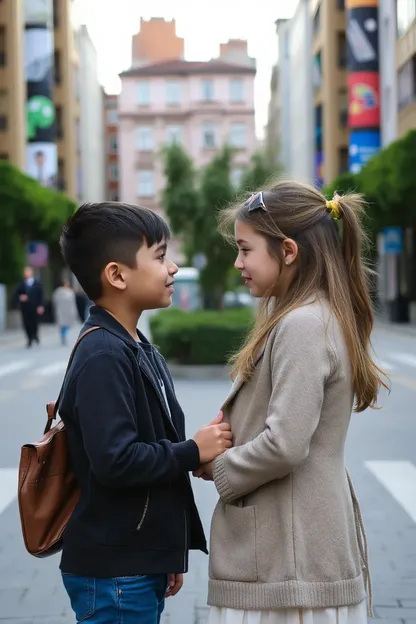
{"x":260,"y":271}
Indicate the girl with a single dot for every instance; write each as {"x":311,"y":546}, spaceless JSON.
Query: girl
{"x":287,"y":541}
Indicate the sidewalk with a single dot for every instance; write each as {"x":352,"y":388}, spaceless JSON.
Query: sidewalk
{"x":16,"y":337}
{"x":399,"y":329}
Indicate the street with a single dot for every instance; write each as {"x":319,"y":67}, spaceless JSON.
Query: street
{"x":381,"y":457}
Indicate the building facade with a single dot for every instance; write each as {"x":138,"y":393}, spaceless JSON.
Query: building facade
{"x":66,"y":92}
{"x":202,"y":105}
{"x":156,"y":41}
{"x":111,"y":147}
{"x":406,"y":65}
{"x":92,"y":178}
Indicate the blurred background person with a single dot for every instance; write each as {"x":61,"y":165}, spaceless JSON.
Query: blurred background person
{"x":30,"y":299}
{"x":65,"y":309}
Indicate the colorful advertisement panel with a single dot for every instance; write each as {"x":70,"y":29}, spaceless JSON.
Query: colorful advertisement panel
{"x":319,"y":169}
{"x":363,"y":100}
{"x":364,"y":144}
{"x":41,"y":150}
{"x":362,"y":37}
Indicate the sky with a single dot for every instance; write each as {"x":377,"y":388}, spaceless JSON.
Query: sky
{"x":203,"y":25}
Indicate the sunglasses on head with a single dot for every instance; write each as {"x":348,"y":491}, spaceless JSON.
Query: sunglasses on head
{"x":255,"y":202}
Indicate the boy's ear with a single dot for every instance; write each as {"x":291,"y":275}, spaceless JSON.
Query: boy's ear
{"x":113,"y":274}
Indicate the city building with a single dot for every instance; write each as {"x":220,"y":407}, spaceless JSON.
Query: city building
{"x":273,"y":130}
{"x":406,"y":64}
{"x":92,"y":131}
{"x":329,"y":50}
{"x":111,"y":147}
{"x":156,"y":41}
{"x":203,"y":105}
{"x":295,"y":94}
{"x":66,"y":91}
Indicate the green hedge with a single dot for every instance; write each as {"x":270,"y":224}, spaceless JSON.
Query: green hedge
{"x":201,"y":337}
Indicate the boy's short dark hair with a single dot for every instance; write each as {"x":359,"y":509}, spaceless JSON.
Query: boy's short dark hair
{"x":108,"y":232}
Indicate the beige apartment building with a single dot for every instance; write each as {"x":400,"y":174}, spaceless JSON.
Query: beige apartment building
{"x":406,"y":65}
{"x":66,"y":92}
{"x":329,"y":49}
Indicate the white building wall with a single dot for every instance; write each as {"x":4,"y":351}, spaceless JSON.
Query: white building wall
{"x":284,"y":93}
{"x":301,"y":143}
{"x":388,"y":70}
{"x":92,"y":127}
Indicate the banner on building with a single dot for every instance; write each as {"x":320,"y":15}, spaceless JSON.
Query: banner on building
{"x":319,"y":169}
{"x":362,"y":37}
{"x":41,"y":150}
{"x":364,"y":144}
{"x":363,"y":100}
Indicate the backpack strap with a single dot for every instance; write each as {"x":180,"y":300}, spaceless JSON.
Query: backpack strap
{"x":52,"y":408}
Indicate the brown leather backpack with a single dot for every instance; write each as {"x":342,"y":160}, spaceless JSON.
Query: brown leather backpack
{"x":48,"y":490}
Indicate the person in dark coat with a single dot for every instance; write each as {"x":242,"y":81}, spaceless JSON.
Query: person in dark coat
{"x":29,"y":297}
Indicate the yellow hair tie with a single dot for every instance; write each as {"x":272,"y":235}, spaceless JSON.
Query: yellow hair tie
{"x":333,"y":208}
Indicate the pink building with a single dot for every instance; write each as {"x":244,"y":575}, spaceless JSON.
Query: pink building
{"x":203,"y":105}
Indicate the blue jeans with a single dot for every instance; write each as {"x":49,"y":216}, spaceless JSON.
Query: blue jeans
{"x":122,"y":600}
{"x":64,"y":334}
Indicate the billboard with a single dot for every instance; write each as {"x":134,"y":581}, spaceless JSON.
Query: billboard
{"x":362,"y":38}
{"x":363,"y":100}
{"x":41,"y":149}
{"x":363,"y":146}
{"x":319,"y":169}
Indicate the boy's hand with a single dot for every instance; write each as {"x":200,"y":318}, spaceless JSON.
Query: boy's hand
{"x":175,"y":584}
{"x":204,"y":472}
{"x":213,"y":439}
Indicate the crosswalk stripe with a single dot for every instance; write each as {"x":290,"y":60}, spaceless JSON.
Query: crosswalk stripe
{"x":399,"y":479}
{"x":14,"y":367}
{"x":8,"y":487}
{"x":52,"y":369}
{"x":404,"y":358}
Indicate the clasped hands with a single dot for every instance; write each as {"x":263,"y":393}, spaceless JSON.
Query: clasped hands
{"x":223,"y":442}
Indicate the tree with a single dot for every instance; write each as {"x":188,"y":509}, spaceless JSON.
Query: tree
{"x":28,"y":212}
{"x":216,"y":192}
{"x":180,"y":196}
{"x":260,"y":171}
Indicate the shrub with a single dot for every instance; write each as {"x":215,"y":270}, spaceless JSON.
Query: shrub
{"x":201,"y":337}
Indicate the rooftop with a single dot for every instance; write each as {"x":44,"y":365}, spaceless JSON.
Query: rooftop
{"x":183,"y":68}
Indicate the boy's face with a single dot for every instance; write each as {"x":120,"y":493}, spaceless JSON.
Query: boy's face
{"x":149,"y":285}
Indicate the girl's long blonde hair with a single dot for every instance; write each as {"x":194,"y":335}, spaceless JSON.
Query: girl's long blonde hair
{"x":330,"y":260}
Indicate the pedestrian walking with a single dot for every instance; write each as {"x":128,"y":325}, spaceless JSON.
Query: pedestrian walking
{"x":29,"y":298}
{"x":287,"y":538}
{"x":65,"y":309}
{"x":126,"y":545}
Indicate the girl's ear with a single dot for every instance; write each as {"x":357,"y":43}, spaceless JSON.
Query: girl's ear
{"x":290,"y":251}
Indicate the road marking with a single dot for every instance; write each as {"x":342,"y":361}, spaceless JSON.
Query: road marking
{"x":399,"y":479}
{"x":8,"y":486}
{"x":52,"y":369}
{"x":404,"y":358}
{"x":14,"y":367}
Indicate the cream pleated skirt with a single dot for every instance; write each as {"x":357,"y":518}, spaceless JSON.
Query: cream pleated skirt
{"x":356,"y":614}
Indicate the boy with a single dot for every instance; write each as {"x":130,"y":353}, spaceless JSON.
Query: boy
{"x":126,"y":545}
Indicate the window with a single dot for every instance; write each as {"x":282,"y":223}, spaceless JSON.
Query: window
{"x":174,"y":134}
{"x":405,"y":14}
{"x":342,"y":50}
{"x":145,"y":186}
{"x":344,"y":163}
{"x":317,"y":71}
{"x":238,"y":135}
{"x":113,"y":172}
{"x":56,"y":15}
{"x":59,"y":122}
{"x":145,"y":138}
{"x":207,"y":90}
{"x":173,"y":92}
{"x":3,"y":110}
{"x":61,"y":175}
{"x":4,"y":156}
{"x":236,"y":90}
{"x":112,"y":117}
{"x":113,"y":196}
{"x":143,"y":93}
{"x":236,"y":177}
{"x":317,"y":21}
{"x":208,"y":135}
{"x":341,"y":5}
{"x":57,"y":67}
{"x":112,"y":144}
{"x":343,"y":107}
{"x":2,"y":46}
{"x":406,"y":83}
